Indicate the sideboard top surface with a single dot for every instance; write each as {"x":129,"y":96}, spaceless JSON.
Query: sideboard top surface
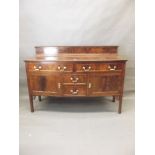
{"x":80,"y":57}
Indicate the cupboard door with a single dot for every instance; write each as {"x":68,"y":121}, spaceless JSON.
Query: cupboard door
{"x":104,"y":84}
{"x":45,"y":84}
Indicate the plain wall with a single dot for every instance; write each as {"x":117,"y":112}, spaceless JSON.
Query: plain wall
{"x":78,"y":22}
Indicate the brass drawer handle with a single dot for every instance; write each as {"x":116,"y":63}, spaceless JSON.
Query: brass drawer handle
{"x":86,"y":68}
{"x":64,"y":68}
{"x":74,"y":92}
{"x":37,"y":68}
{"x":61,"y":69}
{"x":112,"y":69}
{"x":74,"y":79}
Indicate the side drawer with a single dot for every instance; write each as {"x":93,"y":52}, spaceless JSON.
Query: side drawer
{"x":99,"y":67}
{"x":48,"y":66}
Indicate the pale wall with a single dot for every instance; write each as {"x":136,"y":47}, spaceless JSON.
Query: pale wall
{"x":78,"y":22}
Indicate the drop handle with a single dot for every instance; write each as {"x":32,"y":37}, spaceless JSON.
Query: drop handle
{"x":64,"y":68}
{"x":86,"y":68}
{"x":74,"y":92}
{"x":37,"y":68}
{"x":112,"y":69}
{"x":61,"y":69}
{"x":74,"y":79}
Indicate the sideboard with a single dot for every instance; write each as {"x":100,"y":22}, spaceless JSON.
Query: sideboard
{"x":69,"y":71}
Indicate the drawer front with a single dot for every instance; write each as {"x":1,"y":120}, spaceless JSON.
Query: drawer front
{"x":56,"y":67}
{"x":99,"y":67}
{"x":74,"y":79}
{"x":74,"y":90}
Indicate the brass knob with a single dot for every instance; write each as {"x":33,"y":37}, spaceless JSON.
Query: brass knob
{"x":74,"y":79}
{"x":86,"y":68}
{"x":112,"y":69}
{"x":74,"y":92}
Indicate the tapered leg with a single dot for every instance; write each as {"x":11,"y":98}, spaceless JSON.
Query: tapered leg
{"x":113,"y":99}
{"x":31,"y":103}
{"x":39,"y":97}
{"x":120,"y":105}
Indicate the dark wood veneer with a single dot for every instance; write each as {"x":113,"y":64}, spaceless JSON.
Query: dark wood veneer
{"x":76,"y":71}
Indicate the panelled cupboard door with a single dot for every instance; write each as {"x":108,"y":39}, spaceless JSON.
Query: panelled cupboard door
{"x":104,"y":84}
{"x":45,"y":84}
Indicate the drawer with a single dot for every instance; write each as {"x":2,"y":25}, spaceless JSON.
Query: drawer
{"x":97,"y":67}
{"x":74,"y":79}
{"x":75,"y":90}
{"x":57,"y":67}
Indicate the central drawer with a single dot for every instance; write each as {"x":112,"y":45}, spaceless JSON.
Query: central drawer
{"x":78,"y":79}
{"x":74,"y":90}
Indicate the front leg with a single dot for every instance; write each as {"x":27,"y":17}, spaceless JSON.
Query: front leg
{"x":113,"y":98}
{"x":120,"y":104}
{"x":31,"y":103}
{"x":39,"y":97}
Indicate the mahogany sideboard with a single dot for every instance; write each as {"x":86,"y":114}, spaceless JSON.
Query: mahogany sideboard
{"x":69,"y":71}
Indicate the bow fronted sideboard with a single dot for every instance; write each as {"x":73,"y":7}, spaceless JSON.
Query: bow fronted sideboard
{"x":69,"y":71}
